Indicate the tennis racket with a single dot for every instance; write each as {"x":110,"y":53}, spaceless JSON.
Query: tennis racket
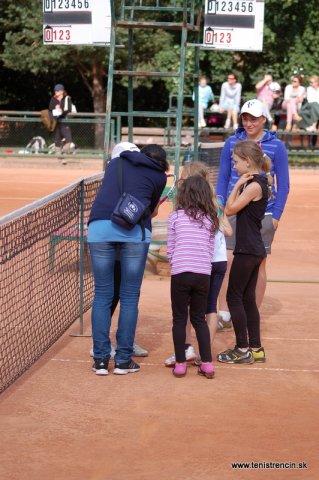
{"x":169,"y":193}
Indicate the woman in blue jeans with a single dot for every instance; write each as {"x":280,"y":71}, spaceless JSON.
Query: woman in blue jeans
{"x":143,"y":176}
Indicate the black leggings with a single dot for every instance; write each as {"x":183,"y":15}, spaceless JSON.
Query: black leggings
{"x":241,"y":300}
{"x":216,"y":280}
{"x":61,"y":132}
{"x":190,"y":289}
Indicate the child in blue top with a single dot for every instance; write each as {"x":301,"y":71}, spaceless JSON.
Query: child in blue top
{"x":205,"y":95}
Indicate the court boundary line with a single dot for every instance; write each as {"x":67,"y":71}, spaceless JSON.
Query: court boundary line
{"x":281,"y":339}
{"x":246,"y":367}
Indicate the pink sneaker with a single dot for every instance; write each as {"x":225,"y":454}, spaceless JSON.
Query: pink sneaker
{"x":180,"y":370}
{"x":206,"y":369}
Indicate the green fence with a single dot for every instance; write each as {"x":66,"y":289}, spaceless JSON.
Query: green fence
{"x":17,"y":129}
{"x":88,"y":129}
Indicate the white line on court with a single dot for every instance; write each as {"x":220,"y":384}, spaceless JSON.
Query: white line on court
{"x":33,"y":182}
{"x":282,"y":339}
{"x":247,"y":367}
{"x":18,"y":198}
{"x":302,"y":205}
{"x":292,"y":339}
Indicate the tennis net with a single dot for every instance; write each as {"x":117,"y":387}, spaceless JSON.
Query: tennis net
{"x":45,"y":281}
{"x":210,"y":155}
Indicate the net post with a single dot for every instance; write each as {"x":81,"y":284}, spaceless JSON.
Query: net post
{"x":81,"y":261}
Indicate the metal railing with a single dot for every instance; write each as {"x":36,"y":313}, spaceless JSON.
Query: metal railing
{"x":18,"y":128}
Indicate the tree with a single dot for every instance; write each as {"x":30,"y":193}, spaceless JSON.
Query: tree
{"x":290,"y":43}
{"x":23,"y":51}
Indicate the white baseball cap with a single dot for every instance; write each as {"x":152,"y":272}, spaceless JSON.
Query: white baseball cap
{"x":123,"y":147}
{"x":254,"y":107}
{"x":274,"y":87}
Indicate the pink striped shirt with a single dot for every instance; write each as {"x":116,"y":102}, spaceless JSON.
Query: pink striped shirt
{"x":190,"y":245}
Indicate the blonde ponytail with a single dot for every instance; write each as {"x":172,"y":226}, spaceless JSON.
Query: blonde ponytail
{"x":266,"y":166}
{"x":250,"y":150}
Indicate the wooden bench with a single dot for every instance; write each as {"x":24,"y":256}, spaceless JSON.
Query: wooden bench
{"x":302,"y":140}
{"x":161,"y":136}
{"x":144,"y":136}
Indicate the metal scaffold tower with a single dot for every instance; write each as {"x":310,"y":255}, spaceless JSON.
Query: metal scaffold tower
{"x":136,"y":14}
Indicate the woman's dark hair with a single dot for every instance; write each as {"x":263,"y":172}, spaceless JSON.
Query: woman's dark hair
{"x":157,"y":153}
{"x":194,"y":196}
{"x":298,"y":77}
{"x":234,"y":75}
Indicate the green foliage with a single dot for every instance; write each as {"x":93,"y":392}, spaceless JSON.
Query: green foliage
{"x":290,"y":44}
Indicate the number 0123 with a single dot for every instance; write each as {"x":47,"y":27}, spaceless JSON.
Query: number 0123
{"x":57,"y":34}
{"x":212,"y":37}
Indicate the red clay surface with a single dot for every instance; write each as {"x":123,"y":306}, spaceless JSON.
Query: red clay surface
{"x":61,"y":421}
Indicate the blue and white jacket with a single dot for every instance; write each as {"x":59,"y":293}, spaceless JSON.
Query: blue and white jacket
{"x":276,"y":151}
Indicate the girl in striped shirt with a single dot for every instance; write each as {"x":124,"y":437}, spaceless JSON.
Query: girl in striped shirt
{"x":190,"y":246}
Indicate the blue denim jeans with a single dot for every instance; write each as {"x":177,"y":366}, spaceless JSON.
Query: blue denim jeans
{"x":133,"y":258}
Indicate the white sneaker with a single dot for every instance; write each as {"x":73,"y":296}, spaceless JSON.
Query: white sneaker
{"x":189,"y":354}
{"x":223,"y":325}
{"x":112,"y":352}
{"x":139,"y":351}
{"x":227,"y":123}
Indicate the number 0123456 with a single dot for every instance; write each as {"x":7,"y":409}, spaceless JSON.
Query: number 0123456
{"x":230,"y":7}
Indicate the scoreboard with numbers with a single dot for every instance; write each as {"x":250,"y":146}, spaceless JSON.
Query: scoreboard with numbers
{"x":234,"y":25}
{"x":76,"y":22}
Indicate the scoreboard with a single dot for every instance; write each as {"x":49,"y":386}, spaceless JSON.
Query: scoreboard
{"x":234,"y":25}
{"x":76,"y":22}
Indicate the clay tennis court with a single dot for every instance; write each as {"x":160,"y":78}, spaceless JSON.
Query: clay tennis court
{"x":60,"y":421}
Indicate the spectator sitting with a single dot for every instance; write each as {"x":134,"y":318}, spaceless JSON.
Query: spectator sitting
{"x":265,"y":94}
{"x":277,"y":101}
{"x":308,"y":115}
{"x":205,"y":95}
{"x":294,"y":95}
{"x":230,"y":100}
